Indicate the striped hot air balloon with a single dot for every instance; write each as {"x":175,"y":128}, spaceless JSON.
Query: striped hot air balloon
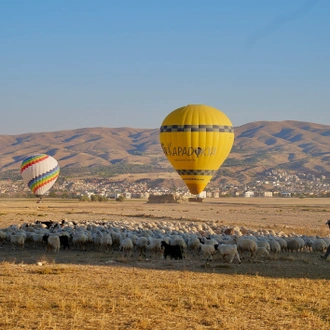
{"x":40,"y":172}
{"x":196,"y":139}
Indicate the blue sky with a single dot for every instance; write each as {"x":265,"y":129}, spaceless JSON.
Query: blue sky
{"x":74,"y":64}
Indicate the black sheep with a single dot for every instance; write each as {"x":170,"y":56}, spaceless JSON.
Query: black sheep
{"x":64,"y":241}
{"x":327,"y":252}
{"x":174,"y":251}
{"x":45,"y":238}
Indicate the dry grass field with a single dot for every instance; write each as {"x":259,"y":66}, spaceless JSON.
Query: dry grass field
{"x":95,"y":290}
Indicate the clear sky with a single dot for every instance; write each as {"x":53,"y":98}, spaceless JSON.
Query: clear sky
{"x":68,"y":64}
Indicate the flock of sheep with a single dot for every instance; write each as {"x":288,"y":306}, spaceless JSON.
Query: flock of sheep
{"x":160,"y":239}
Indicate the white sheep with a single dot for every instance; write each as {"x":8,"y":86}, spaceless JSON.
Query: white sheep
{"x":261,"y":252}
{"x":126,"y":246}
{"x":295,"y":244}
{"x":134,"y":238}
{"x":327,"y":240}
{"x":37,"y":239}
{"x":283,"y":243}
{"x":207,"y":251}
{"x":228,"y":252}
{"x":319,"y":245}
{"x":116,"y":238}
{"x":21,"y":232}
{"x":227,"y":240}
{"x":264,"y":244}
{"x":275,"y":246}
{"x":105,"y":242}
{"x":79,"y":240}
{"x":246,"y":245}
{"x":154,"y":246}
{"x":53,"y":243}
{"x":17,"y":240}
{"x":97,"y":241}
{"x":141,"y":245}
{"x":193,"y":244}
{"x":209,"y":241}
{"x":178,"y":240}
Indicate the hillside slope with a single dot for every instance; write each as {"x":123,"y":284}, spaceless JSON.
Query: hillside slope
{"x":288,"y":145}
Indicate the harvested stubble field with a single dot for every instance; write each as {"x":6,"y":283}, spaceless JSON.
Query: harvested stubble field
{"x":94,"y":290}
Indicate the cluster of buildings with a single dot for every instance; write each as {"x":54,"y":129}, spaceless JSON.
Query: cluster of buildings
{"x":272,"y":183}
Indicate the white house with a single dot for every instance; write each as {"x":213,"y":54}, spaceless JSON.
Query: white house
{"x":249,"y":193}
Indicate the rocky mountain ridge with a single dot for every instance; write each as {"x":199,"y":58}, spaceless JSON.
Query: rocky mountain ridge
{"x":259,"y":146}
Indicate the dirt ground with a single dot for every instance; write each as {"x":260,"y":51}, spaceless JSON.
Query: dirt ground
{"x":299,"y":216}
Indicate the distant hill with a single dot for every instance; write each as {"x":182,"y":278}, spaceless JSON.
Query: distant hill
{"x":286,"y":145}
{"x":259,"y":146}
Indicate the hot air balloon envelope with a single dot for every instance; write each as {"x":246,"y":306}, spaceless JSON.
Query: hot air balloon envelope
{"x":40,"y":172}
{"x":196,"y":139}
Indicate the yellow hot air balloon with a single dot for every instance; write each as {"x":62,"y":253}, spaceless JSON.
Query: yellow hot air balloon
{"x":196,"y":139}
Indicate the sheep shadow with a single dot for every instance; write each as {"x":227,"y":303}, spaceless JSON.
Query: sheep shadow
{"x":296,"y":265}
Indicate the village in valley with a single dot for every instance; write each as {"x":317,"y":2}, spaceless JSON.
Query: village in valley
{"x":272,"y":183}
